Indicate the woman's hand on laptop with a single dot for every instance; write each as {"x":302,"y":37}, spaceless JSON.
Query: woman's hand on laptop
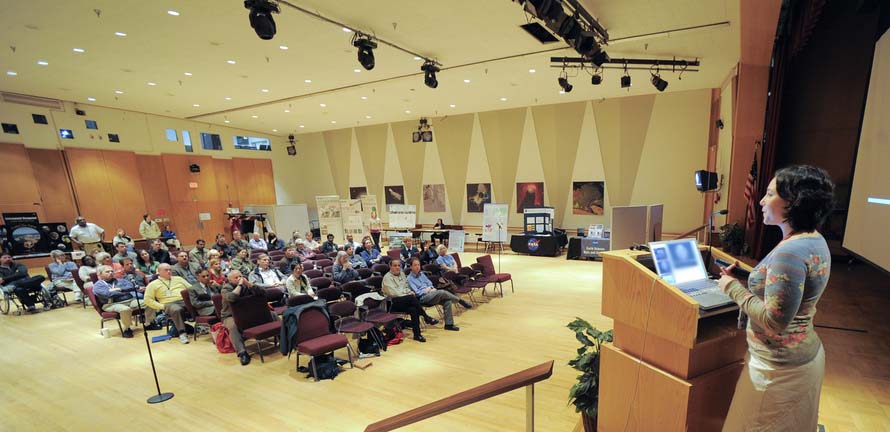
{"x":726,"y":276}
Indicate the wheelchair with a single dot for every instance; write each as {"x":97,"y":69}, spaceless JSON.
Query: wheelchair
{"x":10,"y":301}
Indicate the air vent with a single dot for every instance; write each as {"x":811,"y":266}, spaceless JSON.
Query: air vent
{"x":53,"y":104}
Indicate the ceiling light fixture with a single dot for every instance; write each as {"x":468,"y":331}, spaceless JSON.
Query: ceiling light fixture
{"x":287,"y":111}
{"x":503,"y":99}
{"x":152,"y":84}
{"x":356,"y":70}
{"x":119,"y":92}
{"x":282,"y":47}
{"x":597,"y":77}
{"x":658,"y":82}
{"x":230,"y":61}
{"x":195,"y":105}
{"x":364,"y":98}
{"x":227,"y":98}
{"x":226,"y":121}
{"x":366,"y":48}
{"x":264,"y":90}
{"x":308,"y":81}
{"x":407,"y":111}
{"x":120,"y":34}
{"x":11,"y":73}
{"x":323,"y":105}
{"x":531,"y":71}
{"x":367,"y":117}
{"x":563,"y":81}
{"x":625,"y":80}
{"x":42,"y":62}
{"x":429,"y":74}
{"x":261,"y":17}
{"x":254,"y":116}
{"x":452,"y":105}
{"x":78,"y":50}
{"x":346,"y":30}
{"x":417,"y":58}
{"x":274,"y":130}
{"x":333,"y":121}
{"x":466,"y":81}
{"x":188,"y":74}
{"x":302,"y":126}
{"x":172,"y":12}
{"x":91,"y":99}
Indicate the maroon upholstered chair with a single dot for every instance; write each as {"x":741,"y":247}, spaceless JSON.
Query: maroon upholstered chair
{"x":345,"y":321}
{"x":320,"y":283}
{"x":432,"y":270}
{"x":322,"y":263}
{"x":489,"y":275}
{"x":380,"y":269}
{"x":328,"y":271}
{"x":364,"y":273}
{"x":352,"y":287}
{"x":332,"y":255}
{"x":320,"y":257}
{"x":466,"y":271}
{"x":199,"y":319}
{"x":105,"y":316}
{"x":217,"y":305}
{"x":330,"y":294}
{"x":394,"y":254}
{"x":254,"y":320}
{"x":376,"y":312}
{"x":308,"y":265}
{"x":300,"y":299}
{"x":312,"y":274}
{"x":62,"y":290}
{"x":314,"y":338}
{"x":94,"y":277}
{"x":384,"y":259}
{"x":375,"y":282}
{"x":79,"y":282}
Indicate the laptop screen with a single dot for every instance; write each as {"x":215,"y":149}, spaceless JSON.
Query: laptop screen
{"x":678,"y":261}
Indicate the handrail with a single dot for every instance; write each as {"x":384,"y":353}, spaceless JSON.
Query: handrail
{"x":524,"y":378}
{"x":692,"y":231}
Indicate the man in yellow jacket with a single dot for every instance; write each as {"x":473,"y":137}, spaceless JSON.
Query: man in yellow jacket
{"x":164,"y":293}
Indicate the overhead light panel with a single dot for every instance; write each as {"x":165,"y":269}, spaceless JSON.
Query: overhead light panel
{"x":366,"y":48}
{"x":429,"y":74}
{"x":261,"y":17}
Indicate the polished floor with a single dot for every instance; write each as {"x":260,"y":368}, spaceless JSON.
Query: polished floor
{"x":60,"y":374}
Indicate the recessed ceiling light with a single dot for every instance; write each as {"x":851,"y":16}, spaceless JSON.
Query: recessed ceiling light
{"x":228,"y":98}
{"x":188,"y":74}
{"x":323,"y":105}
{"x":282,"y":47}
{"x":121,"y":34}
{"x":264,"y":90}
{"x":452,"y":105}
{"x":407,"y":111}
{"x":347,"y":30}
{"x":11,"y":73}
{"x":226,"y":121}
{"x":417,"y":58}
{"x":367,"y":117}
{"x":119,"y":92}
{"x":152,"y":84}
{"x":503,"y":99}
{"x":531,"y":71}
{"x":195,"y":105}
{"x":356,"y":70}
{"x":302,"y":126}
{"x":333,"y":121}
{"x":91,"y":99}
{"x":307,"y":81}
{"x":254,"y":116}
{"x":287,"y":111}
{"x":230,"y":61}
{"x":42,"y":62}
{"x":172,"y":12}
{"x":78,"y":50}
{"x":364,"y":98}
{"x":467,"y":81}
{"x":274,"y":130}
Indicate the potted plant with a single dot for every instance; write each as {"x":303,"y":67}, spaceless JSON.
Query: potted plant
{"x":585,"y":393}
{"x":732,"y":237}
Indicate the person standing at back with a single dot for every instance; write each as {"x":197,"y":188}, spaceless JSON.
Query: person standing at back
{"x":88,"y":236}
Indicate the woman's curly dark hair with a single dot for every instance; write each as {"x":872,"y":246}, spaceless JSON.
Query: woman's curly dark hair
{"x":810,"y":195}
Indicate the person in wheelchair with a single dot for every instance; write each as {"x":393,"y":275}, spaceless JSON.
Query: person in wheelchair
{"x":14,"y":278}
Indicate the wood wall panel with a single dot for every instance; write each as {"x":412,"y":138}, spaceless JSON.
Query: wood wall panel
{"x":124,"y":192}
{"x":56,"y":194}
{"x":255,"y":181}
{"x":178,"y":178}
{"x":226,"y":189}
{"x":18,"y":185}
{"x":91,"y":183}
{"x":154,"y":186}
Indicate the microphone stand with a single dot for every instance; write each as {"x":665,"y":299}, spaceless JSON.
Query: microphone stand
{"x":710,"y":230}
{"x":500,"y":246}
{"x":160,"y":397}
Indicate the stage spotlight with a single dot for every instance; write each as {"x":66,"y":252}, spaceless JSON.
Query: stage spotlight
{"x":365,"y":50}
{"x":429,"y":74}
{"x":625,"y":80}
{"x":564,"y":83}
{"x":599,"y":58}
{"x":586,"y":45}
{"x":596,"y":79}
{"x":261,"y":17}
{"x":659,"y":83}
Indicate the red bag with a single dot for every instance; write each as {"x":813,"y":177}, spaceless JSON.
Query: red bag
{"x":221,"y":338}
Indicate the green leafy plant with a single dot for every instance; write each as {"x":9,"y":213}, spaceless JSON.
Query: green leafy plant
{"x":732,"y":237}
{"x":585,"y":393}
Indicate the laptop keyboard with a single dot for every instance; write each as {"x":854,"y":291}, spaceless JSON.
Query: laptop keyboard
{"x":698,"y":287}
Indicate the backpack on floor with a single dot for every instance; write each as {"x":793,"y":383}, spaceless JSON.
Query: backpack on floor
{"x":366,"y":345}
{"x":221,"y":338}
{"x":393,"y":334}
{"x":325,"y":365}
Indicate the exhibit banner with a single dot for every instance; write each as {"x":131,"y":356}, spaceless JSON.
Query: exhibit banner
{"x":351,"y":214}
{"x":329,"y":216}
{"x":456,"y":240}
{"x":494,"y":222}
{"x":402,"y":215}
{"x":370,"y":210}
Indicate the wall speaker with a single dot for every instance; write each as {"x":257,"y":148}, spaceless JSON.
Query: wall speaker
{"x":195,"y":168}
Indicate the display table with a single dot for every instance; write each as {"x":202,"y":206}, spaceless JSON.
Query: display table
{"x":535,"y":245}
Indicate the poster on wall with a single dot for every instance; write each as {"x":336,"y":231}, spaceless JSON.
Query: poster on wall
{"x":456,"y":240}
{"x":529,"y":194}
{"x":351,"y":213}
{"x":402,"y":216}
{"x":357,"y":192}
{"x":394,"y":194}
{"x":23,"y":235}
{"x":478,"y":194}
{"x":494,"y":222}
{"x":329,"y":216}
{"x":369,"y":208}
{"x":434,"y":198}
{"x":588,"y":198}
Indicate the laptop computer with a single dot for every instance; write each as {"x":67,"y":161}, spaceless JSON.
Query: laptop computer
{"x":679,"y":262}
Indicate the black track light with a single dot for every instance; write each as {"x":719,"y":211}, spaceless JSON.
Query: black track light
{"x":596,"y":79}
{"x":365,"y":50}
{"x":599,"y":58}
{"x":261,"y":17}
{"x":625,"y":80}
{"x":564,"y":83}
{"x":429,"y":74}
{"x":659,"y":83}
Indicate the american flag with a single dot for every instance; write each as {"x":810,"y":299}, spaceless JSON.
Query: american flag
{"x":751,"y":196}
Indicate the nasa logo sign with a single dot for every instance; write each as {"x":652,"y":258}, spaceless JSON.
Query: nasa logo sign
{"x":533,"y":244}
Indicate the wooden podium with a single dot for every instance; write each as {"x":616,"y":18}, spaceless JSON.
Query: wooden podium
{"x":690,"y":361}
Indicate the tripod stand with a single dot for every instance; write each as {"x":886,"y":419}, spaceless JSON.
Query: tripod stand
{"x":160,"y":397}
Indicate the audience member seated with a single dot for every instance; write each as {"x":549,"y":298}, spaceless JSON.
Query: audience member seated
{"x":310,"y":242}
{"x":403,"y":300}
{"x":237,"y":244}
{"x":213,"y":254}
{"x":165,"y":294}
{"x":14,"y":278}
{"x":369,"y":253}
{"x":241,"y":262}
{"x":146,"y":263}
{"x":199,"y":294}
{"x":297,"y":283}
{"x":446,"y":262}
{"x":329,"y":246}
{"x":61,"y":273}
{"x":290,"y":258}
{"x":87,"y":267}
{"x":302,"y":250}
{"x":267,"y":277}
{"x":351,"y":242}
{"x":198,"y":256}
{"x":159,"y":253}
{"x":149,"y":229}
{"x":122,"y":252}
{"x":169,"y":237}
{"x":185,"y":268}
{"x":294,"y":237}
{"x":136,"y":277}
{"x":408,"y":251}
{"x":221,"y":246}
{"x":257,"y":243}
{"x":88,"y":236}
{"x":238,"y":287}
{"x":122,"y":237}
{"x":355,"y":259}
{"x":369,"y":239}
{"x":429,"y":254}
{"x":118,"y":295}
{"x":217,"y":274}
{"x":438,"y":236}
{"x":104,"y":258}
{"x":343,"y":271}
{"x":274,"y":242}
{"x":430,"y":296}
